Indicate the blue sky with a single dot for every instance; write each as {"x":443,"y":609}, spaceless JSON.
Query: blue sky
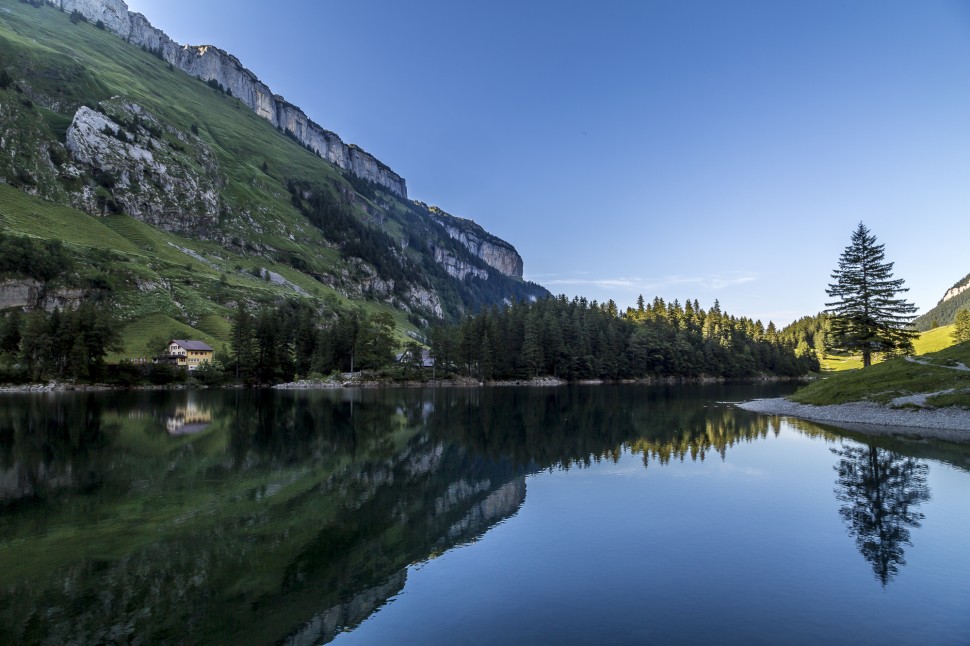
{"x":709,"y":150}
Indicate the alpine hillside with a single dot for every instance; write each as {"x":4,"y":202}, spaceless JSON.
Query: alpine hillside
{"x":179,"y":185}
{"x":944,"y":313}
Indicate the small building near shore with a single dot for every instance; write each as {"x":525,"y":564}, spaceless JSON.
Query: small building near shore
{"x":187,"y":354}
{"x":425,"y":360}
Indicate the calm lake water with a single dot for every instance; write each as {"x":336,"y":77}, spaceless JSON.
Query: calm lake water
{"x":573,"y":515}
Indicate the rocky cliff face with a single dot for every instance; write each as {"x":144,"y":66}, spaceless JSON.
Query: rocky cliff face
{"x":154,"y":172}
{"x":213,"y":64}
{"x":496,"y":253}
{"x":956,"y":290}
{"x":30,"y":294}
{"x":457,"y":268}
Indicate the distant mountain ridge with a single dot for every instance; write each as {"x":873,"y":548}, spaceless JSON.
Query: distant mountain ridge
{"x":944,"y":313}
{"x":215,"y":65}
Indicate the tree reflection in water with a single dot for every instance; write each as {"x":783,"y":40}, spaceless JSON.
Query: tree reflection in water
{"x":294,"y":516}
{"x":881,"y":491}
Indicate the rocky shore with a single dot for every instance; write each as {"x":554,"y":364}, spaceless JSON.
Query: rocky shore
{"x":951,"y":424}
{"x":356,"y":380}
{"x":51,"y":387}
{"x":370,"y":380}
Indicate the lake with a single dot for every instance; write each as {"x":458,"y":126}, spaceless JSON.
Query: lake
{"x":615,"y":514}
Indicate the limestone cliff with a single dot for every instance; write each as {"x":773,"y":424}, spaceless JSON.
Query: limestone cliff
{"x":457,"y":268}
{"x":213,"y":64}
{"x":496,"y":253}
{"x":956,"y":290}
{"x":154,"y":172}
{"x":30,"y":294}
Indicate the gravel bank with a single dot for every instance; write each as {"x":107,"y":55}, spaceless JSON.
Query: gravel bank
{"x":943,"y":423}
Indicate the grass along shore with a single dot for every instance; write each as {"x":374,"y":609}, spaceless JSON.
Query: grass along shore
{"x":925,"y":396}
{"x":936,"y":379}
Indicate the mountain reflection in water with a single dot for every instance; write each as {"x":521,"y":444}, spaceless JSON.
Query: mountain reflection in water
{"x":294,"y":516}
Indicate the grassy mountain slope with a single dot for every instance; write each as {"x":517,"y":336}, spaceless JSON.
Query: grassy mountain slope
{"x":276,"y":207}
{"x":151,"y":272}
{"x":934,"y":340}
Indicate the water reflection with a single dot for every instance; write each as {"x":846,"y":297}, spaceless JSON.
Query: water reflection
{"x":881,"y":492}
{"x":52,"y":443}
{"x":189,"y":419}
{"x":718,"y":431}
{"x":286,"y":515}
{"x":267,"y":516}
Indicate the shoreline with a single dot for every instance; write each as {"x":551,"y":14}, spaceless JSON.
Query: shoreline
{"x":359,"y":380}
{"x":951,"y":424}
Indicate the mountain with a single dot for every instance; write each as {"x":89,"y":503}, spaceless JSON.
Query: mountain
{"x":182,"y":185}
{"x":944,"y":313}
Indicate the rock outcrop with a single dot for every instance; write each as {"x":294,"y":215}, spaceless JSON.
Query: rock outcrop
{"x":956,"y":290}
{"x":212,"y":64}
{"x":19,"y":293}
{"x":30,"y":294}
{"x":495,"y":252}
{"x":155,"y":173}
{"x":457,"y":268}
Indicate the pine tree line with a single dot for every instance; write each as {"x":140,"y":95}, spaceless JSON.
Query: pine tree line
{"x":810,"y":333}
{"x":71,"y":344}
{"x":278,"y":343}
{"x":576,"y":339}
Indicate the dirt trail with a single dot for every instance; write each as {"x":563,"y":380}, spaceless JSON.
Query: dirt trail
{"x":959,"y":366}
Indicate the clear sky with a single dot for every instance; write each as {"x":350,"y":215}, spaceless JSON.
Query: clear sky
{"x":710,"y":150}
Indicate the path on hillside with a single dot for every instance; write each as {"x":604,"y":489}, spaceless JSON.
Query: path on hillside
{"x":959,"y":366}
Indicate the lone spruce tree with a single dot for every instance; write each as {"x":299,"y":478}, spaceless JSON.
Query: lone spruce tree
{"x":867,"y":314}
{"x":961,"y":328}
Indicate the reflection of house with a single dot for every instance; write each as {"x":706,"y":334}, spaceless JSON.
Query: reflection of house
{"x":188,"y":420}
{"x":187,"y":354}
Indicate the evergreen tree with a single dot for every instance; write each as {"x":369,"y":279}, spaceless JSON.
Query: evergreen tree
{"x":305,"y":341}
{"x":531,"y":348}
{"x":867,"y":314}
{"x":443,"y":347}
{"x":35,"y":344}
{"x":375,"y":343}
{"x":243,"y":343}
{"x":961,"y":331}
{"x":10,"y":333}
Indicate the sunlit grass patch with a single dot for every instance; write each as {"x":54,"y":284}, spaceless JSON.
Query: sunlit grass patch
{"x":837,"y":364}
{"x":895,"y":378}
{"x":934,"y":340}
{"x":930,"y":341}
